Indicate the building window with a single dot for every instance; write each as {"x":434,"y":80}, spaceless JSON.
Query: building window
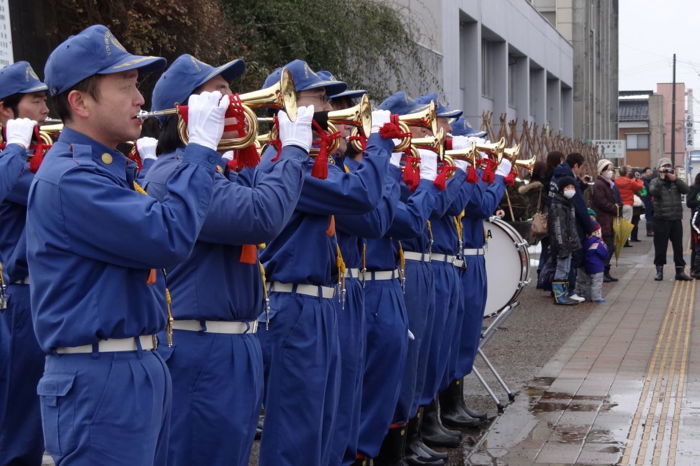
{"x":637,"y":141}
{"x":486,"y":70}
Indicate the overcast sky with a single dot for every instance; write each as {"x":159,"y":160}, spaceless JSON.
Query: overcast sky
{"x":651,"y":31}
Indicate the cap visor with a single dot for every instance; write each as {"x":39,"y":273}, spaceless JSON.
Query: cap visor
{"x":351,"y":94}
{"x":450,"y":114}
{"x":230,"y":71}
{"x":145,"y":64}
{"x":332,"y":87}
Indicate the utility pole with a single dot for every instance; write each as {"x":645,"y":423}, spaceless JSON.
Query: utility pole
{"x":673,"y":115}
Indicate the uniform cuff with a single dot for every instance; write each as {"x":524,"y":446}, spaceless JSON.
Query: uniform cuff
{"x":200,"y":155}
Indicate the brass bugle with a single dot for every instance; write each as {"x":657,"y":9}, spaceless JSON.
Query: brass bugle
{"x":511,"y":153}
{"x":281,"y":95}
{"x":434,"y":143}
{"x":526,"y":164}
{"x":494,"y":148}
{"x":359,"y":116}
{"x":426,"y":117}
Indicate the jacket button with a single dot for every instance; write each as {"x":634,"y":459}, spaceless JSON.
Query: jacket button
{"x":106,"y":158}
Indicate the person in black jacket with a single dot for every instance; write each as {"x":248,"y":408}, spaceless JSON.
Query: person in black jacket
{"x":668,"y":215}
{"x":692,"y":200}
{"x":564,"y":239}
{"x":573,"y":167}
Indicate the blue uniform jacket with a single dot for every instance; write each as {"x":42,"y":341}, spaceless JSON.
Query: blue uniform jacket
{"x":305,"y":252}
{"x":445,"y":238}
{"x":482,"y":204}
{"x":354,"y":229}
{"x":92,"y":240}
{"x":443,"y":200}
{"x":212,"y":283}
{"x":15,"y":179}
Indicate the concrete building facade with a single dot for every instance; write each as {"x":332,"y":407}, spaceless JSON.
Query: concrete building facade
{"x":500,"y":56}
{"x":591,"y":26}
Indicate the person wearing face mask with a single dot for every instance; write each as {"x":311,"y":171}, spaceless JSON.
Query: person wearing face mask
{"x":563,"y":236}
{"x":591,"y":276}
{"x":603,"y":202}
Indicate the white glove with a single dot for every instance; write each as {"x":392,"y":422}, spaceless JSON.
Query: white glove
{"x":205,"y":118}
{"x":228,"y":155}
{"x":504,"y":167}
{"x":428,"y":164}
{"x":297,"y":133}
{"x":395,"y":159}
{"x":462,"y":142}
{"x":379,"y":119}
{"x":147,"y":148}
{"x":19,"y":131}
{"x":462,"y":165}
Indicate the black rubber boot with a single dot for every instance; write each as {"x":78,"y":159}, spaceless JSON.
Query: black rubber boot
{"x":607,"y":278}
{"x":659,"y":273}
{"x":434,"y":433}
{"x":416,"y":449}
{"x":393,"y":447}
{"x":453,"y":412}
{"x":681,"y":275}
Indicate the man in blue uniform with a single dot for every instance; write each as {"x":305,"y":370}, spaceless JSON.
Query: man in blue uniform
{"x":300,"y":346}
{"x":22,"y":107}
{"x":93,"y":246}
{"x":217,"y":293}
{"x":481,"y":206}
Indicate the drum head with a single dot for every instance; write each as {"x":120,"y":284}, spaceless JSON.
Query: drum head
{"x":507,"y":265}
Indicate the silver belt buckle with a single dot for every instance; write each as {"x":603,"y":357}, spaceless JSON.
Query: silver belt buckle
{"x":3,"y":297}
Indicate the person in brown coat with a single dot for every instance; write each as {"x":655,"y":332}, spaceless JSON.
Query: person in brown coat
{"x":603,"y":202}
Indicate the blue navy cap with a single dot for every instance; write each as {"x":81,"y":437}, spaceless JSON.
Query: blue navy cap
{"x":461,"y":128}
{"x":93,"y":51}
{"x":19,"y":78}
{"x":350,"y":93}
{"x":442,"y":111}
{"x":400,"y":104}
{"x":185,"y":75}
{"x":305,"y":79}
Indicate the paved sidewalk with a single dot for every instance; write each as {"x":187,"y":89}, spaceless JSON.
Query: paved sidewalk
{"x":624,"y":389}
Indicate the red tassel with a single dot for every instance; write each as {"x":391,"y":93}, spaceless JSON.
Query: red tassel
{"x":362,"y":139}
{"x":232,"y":164}
{"x":37,"y":158}
{"x":134,"y":155}
{"x":392,"y":130}
{"x":320,"y":168}
{"x":489,"y":174}
{"x":510,"y":179}
{"x":448,"y":144}
{"x":276,"y":142}
{"x":441,"y":180}
{"x":235,"y":110}
{"x":472,"y":177}
{"x":182,"y":111}
{"x":249,"y":254}
{"x":247,"y":157}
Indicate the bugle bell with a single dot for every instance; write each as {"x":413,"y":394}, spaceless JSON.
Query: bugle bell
{"x":359,"y":116}
{"x":526,"y":164}
{"x":434,"y":143}
{"x":425,"y":117}
{"x":494,"y":148}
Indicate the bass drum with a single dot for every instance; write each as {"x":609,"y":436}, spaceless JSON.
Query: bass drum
{"x":507,"y":265}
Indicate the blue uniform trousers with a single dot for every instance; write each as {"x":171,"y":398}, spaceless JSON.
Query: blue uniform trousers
{"x":352,"y":334}
{"x":217,"y":392}
{"x":420,"y":305}
{"x":387,"y":342}
{"x":474,"y":299}
{"x":454,"y":334}
{"x":106,"y":408}
{"x":21,"y":441}
{"x":301,"y":353}
{"x":446,"y":300}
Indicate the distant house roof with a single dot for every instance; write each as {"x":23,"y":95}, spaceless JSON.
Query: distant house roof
{"x":633,"y":110}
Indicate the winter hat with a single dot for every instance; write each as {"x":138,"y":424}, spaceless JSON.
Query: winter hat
{"x":596,"y":226}
{"x":565,"y":181}
{"x":602,"y":165}
{"x":664,"y":161}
